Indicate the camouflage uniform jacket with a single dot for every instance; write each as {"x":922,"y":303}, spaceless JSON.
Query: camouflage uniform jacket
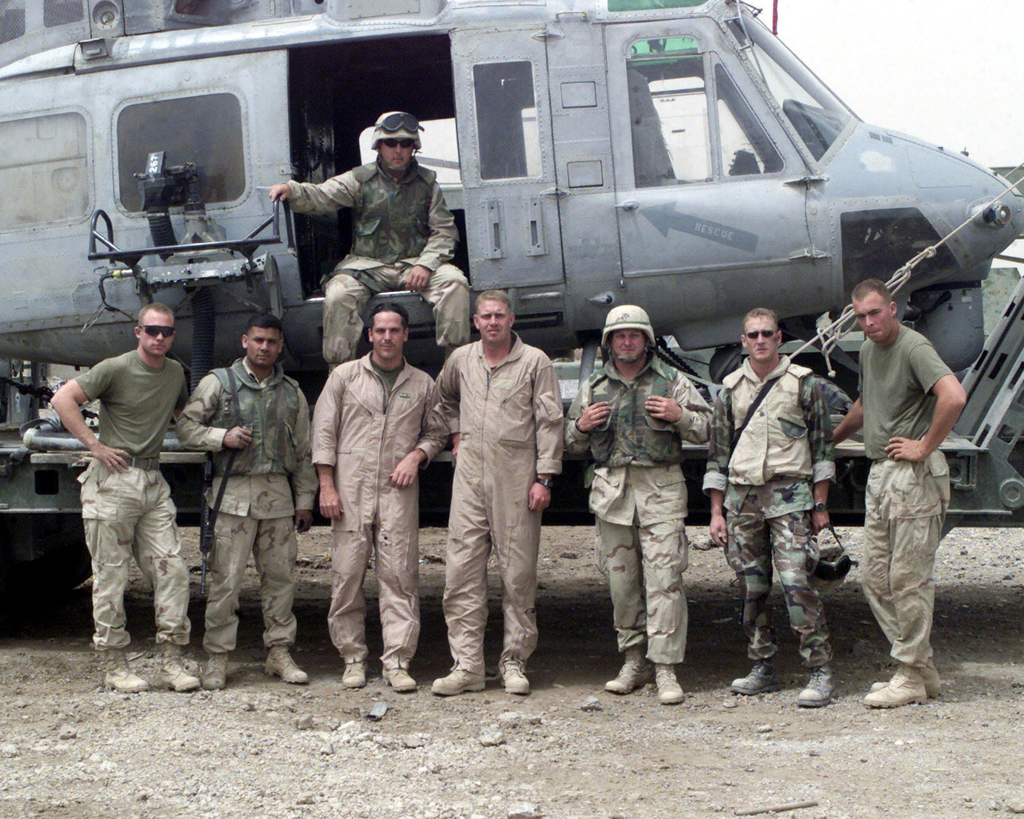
{"x":364,"y":433}
{"x":392,"y":221}
{"x":782,"y":452}
{"x":636,"y":457}
{"x":277,"y":476}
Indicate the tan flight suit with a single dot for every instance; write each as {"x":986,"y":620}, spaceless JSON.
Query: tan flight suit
{"x":270,"y":479}
{"x":364,"y":434}
{"x":510,"y":420}
{"x":395,"y":225}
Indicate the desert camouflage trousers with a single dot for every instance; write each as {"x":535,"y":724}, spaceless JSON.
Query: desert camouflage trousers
{"x":645,"y":566}
{"x":345,"y":299}
{"x":130,"y":514}
{"x":272,"y":544}
{"x":396,"y":565}
{"x":753,"y":542}
{"x":905,"y":504}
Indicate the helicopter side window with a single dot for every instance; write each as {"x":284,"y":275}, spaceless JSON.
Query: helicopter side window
{"x":668,"y":112}
{"x":506,"y":120}
{"x":206,"y":130}
{"x":746,"y":148}
{"x":44,"y":160}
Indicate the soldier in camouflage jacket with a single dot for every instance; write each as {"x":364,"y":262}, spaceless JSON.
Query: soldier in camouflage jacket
{"x":403,"y":237}
{"x":768,"y":477}
{"x":633,"y":416}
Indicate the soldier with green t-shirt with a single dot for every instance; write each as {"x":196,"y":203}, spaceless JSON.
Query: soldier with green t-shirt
{"x":909,"y":402}
{"x":126,"y":503}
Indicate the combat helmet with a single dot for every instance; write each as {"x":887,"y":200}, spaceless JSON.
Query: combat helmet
{"x":833,"y":566}
{"x":397,"y":125}
{"x":627,"y":317}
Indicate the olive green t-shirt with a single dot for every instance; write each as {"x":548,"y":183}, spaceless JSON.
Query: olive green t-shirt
{"x":894,"y":388}
{"x":136,"y":401}
{"x":389,"y":377}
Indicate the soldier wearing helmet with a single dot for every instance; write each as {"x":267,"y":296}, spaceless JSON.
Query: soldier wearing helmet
{"x":634,"y":415}
{"x":770,"y":462}
{"x":403,"y":237}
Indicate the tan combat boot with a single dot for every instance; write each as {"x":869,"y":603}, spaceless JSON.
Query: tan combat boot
{"x":119,"y":674}
{"x":669,"y":690}
{"x":906,"y":686}
{"x":930,"y":676}
{"x":635,"y":673}
{"x":280,"y":664}
{"x":215,"y":676}
{"x":514,"y":676}
{"x":399,"y":679}
{"x":174,"y":674}
{"x":458,"y":681}
{"x":355,"y":674}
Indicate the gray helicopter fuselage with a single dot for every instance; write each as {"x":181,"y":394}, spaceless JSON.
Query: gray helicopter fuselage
{"x":681,"y":159}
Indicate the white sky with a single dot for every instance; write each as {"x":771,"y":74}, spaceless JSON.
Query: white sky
{"x":947,"y":71}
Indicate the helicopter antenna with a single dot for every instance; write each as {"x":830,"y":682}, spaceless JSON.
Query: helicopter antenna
{"x":830,"y":336}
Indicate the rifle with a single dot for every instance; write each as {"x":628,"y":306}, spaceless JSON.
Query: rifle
{"x":208,"y":518}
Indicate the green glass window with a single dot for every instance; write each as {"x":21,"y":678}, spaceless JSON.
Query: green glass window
{"x":652,"y":5}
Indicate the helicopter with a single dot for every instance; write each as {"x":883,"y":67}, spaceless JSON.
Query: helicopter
{"x":669,"y":153}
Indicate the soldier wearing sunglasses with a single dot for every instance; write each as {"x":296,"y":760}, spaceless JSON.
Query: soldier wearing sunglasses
{"x":126,"y":503}
{"x":770,"y":463}
{"x":403,"y":237}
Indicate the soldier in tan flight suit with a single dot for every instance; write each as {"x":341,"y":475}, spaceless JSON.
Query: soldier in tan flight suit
{"x":403,"y":237}
{"x":373,"y":430}
{"x":254,"y":410}
{"x":501,"y":400}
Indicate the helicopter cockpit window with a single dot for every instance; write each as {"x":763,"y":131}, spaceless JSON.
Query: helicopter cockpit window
{"x":668,"y":111}
{"x":506,"y":120}
{"x":817,"y":115}
{"x":206,"y":130}
{"x":746,"y":148}
{"x":440,"y":149}
{"x":44,"y":160}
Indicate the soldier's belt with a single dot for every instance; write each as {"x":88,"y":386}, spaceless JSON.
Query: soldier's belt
{"x":144,"y":463}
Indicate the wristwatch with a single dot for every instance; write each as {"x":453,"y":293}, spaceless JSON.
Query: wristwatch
{"x":547,"y":483}
{"x":820,"y":507}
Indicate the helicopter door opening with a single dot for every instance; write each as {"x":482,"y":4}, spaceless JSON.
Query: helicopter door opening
{"x":508,"y":165}
{"x":336,"y":92}
{"x":710,"y":224}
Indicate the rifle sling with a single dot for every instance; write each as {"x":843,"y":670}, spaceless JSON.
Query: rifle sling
{"x":236,"y":406}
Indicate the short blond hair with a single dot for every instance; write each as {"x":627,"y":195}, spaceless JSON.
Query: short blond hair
{"x":763,"y":313}
{"x":156,"y":307}
{"x":495,"y":295}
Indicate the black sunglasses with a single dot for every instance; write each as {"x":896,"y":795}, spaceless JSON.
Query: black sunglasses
{"x":393,"y":143}
{"x":158,"y":330}
{"x":400,"y":121}
{"x":753,"y":334}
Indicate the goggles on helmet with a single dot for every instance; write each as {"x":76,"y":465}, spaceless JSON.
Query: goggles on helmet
{"x":400,"y":121}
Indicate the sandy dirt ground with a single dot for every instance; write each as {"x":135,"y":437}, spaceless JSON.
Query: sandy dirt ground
{"x":262,"y":748}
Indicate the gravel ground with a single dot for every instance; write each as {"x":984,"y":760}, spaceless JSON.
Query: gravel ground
{"x":261,"y":748}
